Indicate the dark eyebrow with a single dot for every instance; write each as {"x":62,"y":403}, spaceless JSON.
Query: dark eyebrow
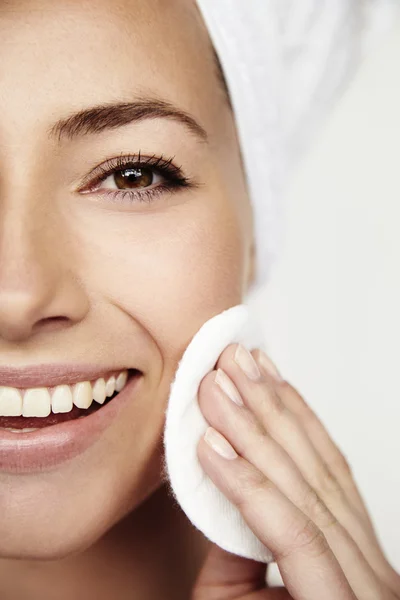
{"x":111,"y":115}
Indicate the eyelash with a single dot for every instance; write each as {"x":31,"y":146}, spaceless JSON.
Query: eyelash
{"x":173,"y":175}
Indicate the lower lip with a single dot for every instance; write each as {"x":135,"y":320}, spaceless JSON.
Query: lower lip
{"x":48,"y":447}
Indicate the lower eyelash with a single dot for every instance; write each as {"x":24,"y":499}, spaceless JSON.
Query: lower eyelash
{"x":143,"y":196}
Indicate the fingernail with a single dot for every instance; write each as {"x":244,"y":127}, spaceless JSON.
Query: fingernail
{"x":219,"y":444}
{"x":269,"y":366}
{"x":228,"y":387}
{"x":247,"y":363}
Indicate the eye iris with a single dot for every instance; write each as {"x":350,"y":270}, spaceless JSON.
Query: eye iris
{"x":133,"y":177}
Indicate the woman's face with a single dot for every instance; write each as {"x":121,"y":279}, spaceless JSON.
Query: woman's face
{"x":90,"y":275}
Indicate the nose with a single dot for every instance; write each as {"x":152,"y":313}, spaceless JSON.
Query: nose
{"x":39,"y":289}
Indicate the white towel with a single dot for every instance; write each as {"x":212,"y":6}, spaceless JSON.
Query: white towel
{"x":286,"y":63}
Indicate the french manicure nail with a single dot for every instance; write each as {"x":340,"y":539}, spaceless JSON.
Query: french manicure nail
{"x":219,"y":444}
{"x":228,"y":387}
{"x":247,"y":363}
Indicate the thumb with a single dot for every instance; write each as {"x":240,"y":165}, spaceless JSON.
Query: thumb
{"x":226,"y":576}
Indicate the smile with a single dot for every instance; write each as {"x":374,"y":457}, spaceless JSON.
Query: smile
{"x":40,"y":427}
{"x":41,"y":401}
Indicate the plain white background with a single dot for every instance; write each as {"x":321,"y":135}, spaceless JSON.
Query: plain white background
{"x":331,"y":308}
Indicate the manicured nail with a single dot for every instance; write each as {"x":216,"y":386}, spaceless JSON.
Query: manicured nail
{"x":268,"y":365}
{"x":219,"y":444}
{"x":228,"y":387}
{"x":247,"y":363}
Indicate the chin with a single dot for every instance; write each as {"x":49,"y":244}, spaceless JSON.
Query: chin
{"x":38,"y":523}
{"x":53,"y":538}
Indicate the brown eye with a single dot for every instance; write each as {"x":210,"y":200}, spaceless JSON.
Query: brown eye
{"x":128,"y":178}
{"x":133,"y":177}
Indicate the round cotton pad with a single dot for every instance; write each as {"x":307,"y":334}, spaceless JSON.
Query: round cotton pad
{"x":203,"y":503}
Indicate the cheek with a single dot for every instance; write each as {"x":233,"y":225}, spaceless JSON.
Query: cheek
{"x":170,"y":269}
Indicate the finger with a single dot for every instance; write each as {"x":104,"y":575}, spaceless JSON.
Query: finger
{"x":322,"y":442}
{"x":307,"y":565}
{"x":245,"y":433}
{"x":354,"y":515}
{"x":264,"y":399}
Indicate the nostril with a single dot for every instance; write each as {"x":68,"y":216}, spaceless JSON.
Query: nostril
{"x":51,"y":323}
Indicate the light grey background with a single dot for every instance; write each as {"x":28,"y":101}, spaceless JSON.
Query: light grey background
{"x":331,"y":309}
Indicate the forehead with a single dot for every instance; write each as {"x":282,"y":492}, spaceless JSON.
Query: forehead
{"x":105,"y":17}
{"x":68,"y":54}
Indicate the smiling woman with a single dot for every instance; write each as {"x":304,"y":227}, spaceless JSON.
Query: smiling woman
{"x":121,"y":177}
{"x":125,"y":224}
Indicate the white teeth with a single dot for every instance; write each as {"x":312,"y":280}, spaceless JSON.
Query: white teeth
{"x":110,"y":386}
{"x":61,"y":399}
{"x":82,"y":394}
{"x":10,"y":402}
{"x":99,"y":391}
{"x":121,"y":381}
{"x":37,"y":402}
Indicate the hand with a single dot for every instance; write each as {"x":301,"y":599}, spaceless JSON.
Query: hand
{"x":294,"y":489}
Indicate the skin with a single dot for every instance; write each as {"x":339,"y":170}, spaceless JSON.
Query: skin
{"x":75,"y":284}
{"x":129,"y":285}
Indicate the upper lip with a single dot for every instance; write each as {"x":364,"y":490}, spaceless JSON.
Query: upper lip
{"x":46,"y":375}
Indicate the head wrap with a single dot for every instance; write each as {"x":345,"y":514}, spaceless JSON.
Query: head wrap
{"x":285,"y":63}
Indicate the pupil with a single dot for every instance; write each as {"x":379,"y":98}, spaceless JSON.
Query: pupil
{"x":133,"y":177}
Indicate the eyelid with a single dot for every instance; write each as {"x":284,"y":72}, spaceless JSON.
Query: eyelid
{"x":112,"y":164}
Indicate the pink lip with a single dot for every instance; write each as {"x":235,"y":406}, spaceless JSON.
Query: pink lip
{"x":50,"y":375}
{"x":48,"y":447}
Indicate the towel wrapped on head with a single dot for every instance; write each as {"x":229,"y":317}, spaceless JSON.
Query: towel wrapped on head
{"x":286,"y":62}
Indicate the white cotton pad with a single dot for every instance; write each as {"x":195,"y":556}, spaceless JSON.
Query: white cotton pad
{"x":203,"y":503}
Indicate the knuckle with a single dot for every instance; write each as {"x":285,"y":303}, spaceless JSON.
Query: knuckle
{"x":318,"y":512}
{"x":307,"y":539}
{"x":327,"y":484}
{"x":246,"y":485}
{"x":276,"y":403}
{"x":259,"y":441}
{"x":269,"y":401}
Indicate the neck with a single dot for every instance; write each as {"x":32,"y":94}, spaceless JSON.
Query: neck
{"x":153,"y":553}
